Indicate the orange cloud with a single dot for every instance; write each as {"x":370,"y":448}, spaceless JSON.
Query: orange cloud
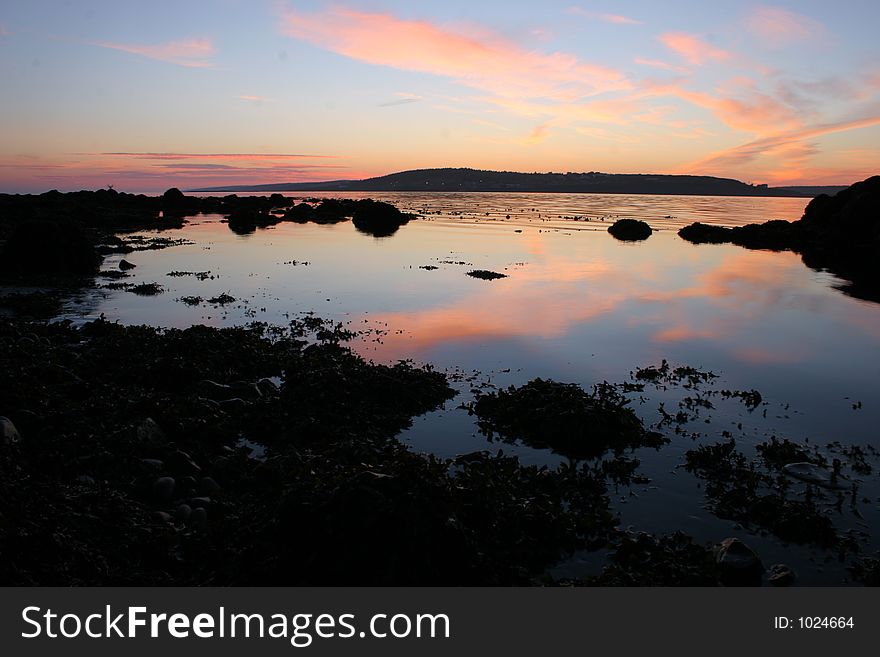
{"x":193,"y":53}
{"x":691,"y":48}
{"x":788,"y":146}
{"x":481,"y":59}
{"x":780,"y":27}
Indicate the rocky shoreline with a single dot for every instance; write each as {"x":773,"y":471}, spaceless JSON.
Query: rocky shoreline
{"x":265,"y":455}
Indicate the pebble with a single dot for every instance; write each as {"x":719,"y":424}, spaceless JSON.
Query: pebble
{"x":208,"y":486}
{"x":182,"y":513}
{"x":163,"y":489}
{"x":8,"y":433}
{"x":739,"y":564}
{"x":780,"y":575}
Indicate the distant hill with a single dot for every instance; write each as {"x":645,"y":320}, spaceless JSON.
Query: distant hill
{"x":474,"y":180}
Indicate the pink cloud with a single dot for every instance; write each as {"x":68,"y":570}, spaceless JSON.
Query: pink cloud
{"x":477,"y":59}
{"x":3,"y":31}
{"x":780,"y":27}
{"x":691,"y":48}
{"x":192,"y":53}
{"x":608,"y":18}
{"x":253,"y":99}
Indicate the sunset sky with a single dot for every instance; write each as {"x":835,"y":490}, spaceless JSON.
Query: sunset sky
{"x":144,"y":96}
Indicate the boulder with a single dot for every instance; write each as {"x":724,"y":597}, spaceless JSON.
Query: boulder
{"x":8,"y":433}
{"x":630,"y":230}
{"x":377,"y":218}
{"x":49,"y":247}
{"x":738,"y":565}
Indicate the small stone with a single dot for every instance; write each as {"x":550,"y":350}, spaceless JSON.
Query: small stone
{"x":213,"y":390}
{"x":738,"y":563}
{"x":234,"y":404}
{"x":780,"y":575}
{"x":8,"y":433}
{"x":199,"y":518}
{"x":268,"y":387}
{"x":202,"y":502}
{"x":245,"y":390}
{"x":163,"y":489}
{"x":125,"y":265}
{"x":181,"y":464}
{"x":208,"y":486}
{"x":85,"y":480}
{"x":154,"y":465}
{"x":183,"y":513}
{"x":162,"y":516}
{"x":149,"y":432}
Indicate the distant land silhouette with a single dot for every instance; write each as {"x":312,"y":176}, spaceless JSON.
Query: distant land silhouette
{"x":475,"y":180}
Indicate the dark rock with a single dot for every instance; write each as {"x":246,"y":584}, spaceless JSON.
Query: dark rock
{"x":268,"y":388}
{"x":163,"y":489}
{"x":199,"y":518}
{"x":125,"y":265}
{"x":233,"y":404}
{"x":209,"y":487}
{"x":245,"y":390}
{"x":630,"y":230}
{"x":817,"y":475}
{"x":378,"y":219}
{"x":150,"y":433}
{"x":182,"y":513}
{"x":8,"y":433}
{"x":48,"y":247}
{"x":215,"y":391}
{"x":780,"y":575}
{"x":181,"y":464}
{"x":485,"y":274}
{"x":738,"y":564}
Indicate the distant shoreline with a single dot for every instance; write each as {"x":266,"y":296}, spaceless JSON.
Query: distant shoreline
{"x":474,"y":180}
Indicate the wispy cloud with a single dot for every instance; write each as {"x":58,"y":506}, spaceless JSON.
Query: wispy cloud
{"x":791,"y":149}
{"x":3,"y":31}
{"x":474,"y":57}
{"x":657,"y":63}
{"x":607,"y":18}
{"x":402,"y":98}
{"x":780,"y":27}
{"x":254,"y":99}
{"x":692,"y":48}
{"x":192,"y":53}
{"x":207,"y":156}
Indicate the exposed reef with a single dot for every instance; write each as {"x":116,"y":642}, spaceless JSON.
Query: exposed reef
{"x":839,"y":234}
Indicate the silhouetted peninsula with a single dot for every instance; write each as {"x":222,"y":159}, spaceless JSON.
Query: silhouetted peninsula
{"x":474,"y":180}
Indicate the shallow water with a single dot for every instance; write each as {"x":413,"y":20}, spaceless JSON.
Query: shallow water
{"x":576,"y":306}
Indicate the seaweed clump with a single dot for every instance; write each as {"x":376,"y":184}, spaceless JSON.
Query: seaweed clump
{"x":563,"y":417}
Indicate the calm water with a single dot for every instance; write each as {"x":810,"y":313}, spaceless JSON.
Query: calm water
{"x":577,"y":306}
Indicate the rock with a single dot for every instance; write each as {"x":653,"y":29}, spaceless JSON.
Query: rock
{"x":209,"y":487}
{"x":245,"y":390}
{"x":125,"y":265}
{"x":49,"y":247}
{"x":377,"y":218}
{"x":85,"y":480}
{"x":737,"y":563}
{"x":214,"y":391}
{"x":162,"y":516}
{"x":8,"y":433}
{"x":630,"y":230}
{"x":232,"y":405}
{"x":181,"y":464}
{"x":780,"y":575}
{"x":163,"y":489}
{"x":154,"y":465}
{"x":817,"y":475}
{"x":699,"y":233}
{"x":183,"y":513}
{"x":268,"y":387}
{"x":150,"y":433}
{"x":201,"y":502}
{"x":485,"y":274}
{"x":199,"y":518}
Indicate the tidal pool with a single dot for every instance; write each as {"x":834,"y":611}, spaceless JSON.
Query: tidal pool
{"x":576,"y":305}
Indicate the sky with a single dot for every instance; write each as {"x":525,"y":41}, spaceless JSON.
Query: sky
{"x":146,"y":96}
